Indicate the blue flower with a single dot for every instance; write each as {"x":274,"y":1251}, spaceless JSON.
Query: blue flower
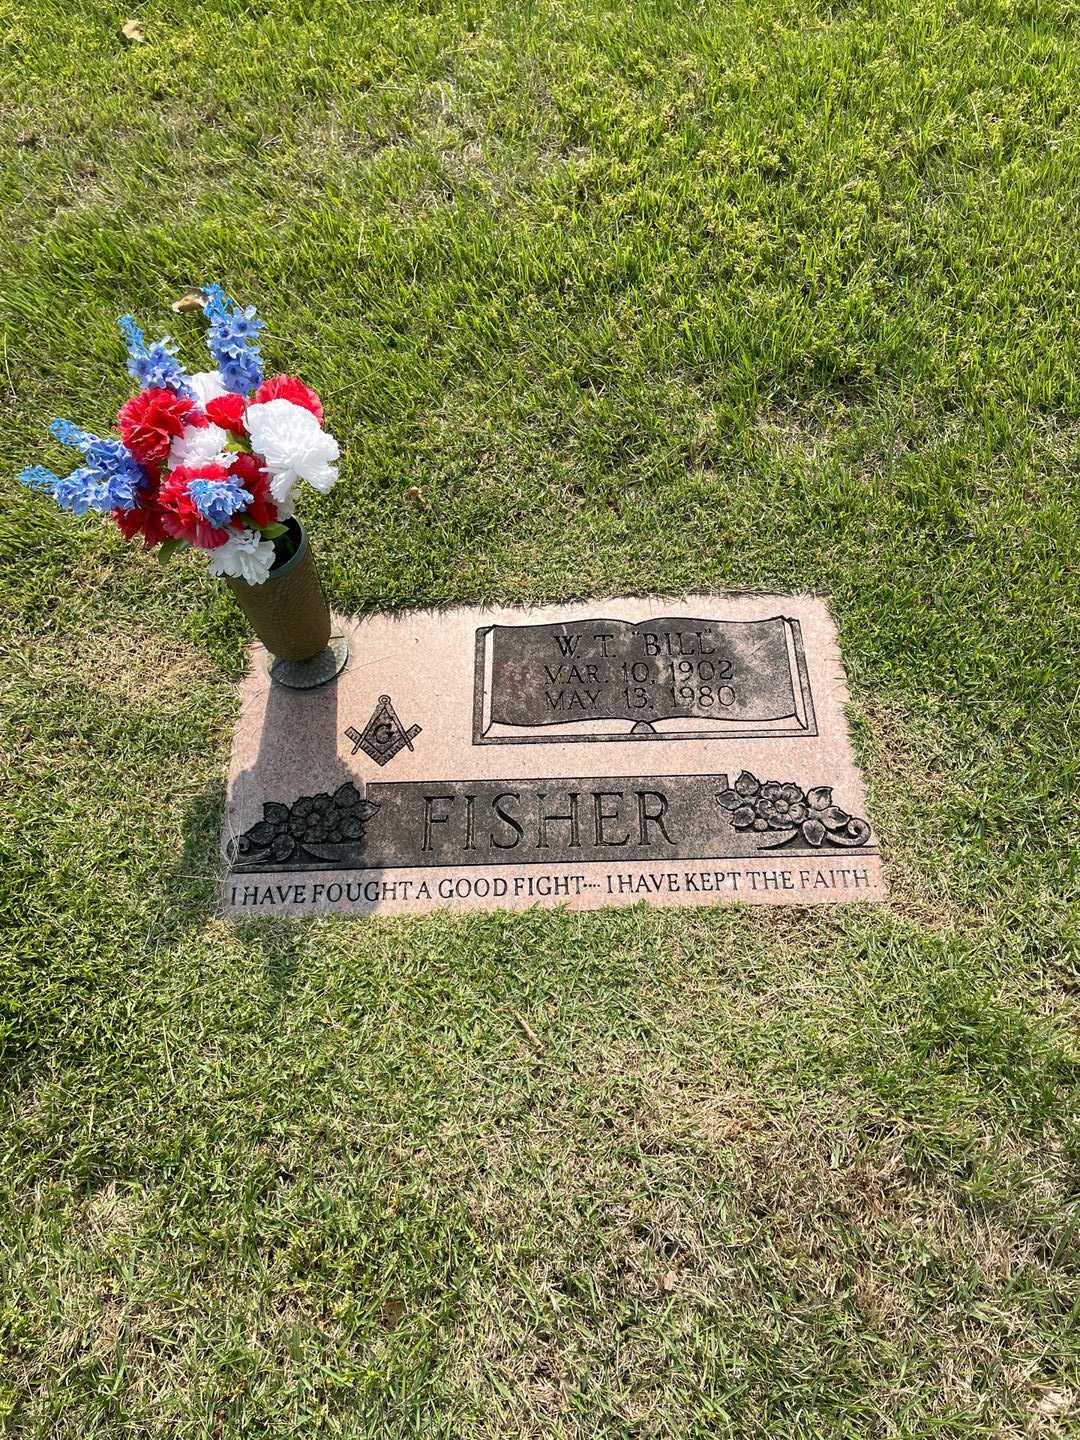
{"x":153,"y":366}
{"x":82,"y":491}
{"x":38,"y":477}
{"x":78,"y":492}
{"x":69,"y":434}
{"x":217,"y":501}
{"x":233,"y":340}
{"x":110,"y":468}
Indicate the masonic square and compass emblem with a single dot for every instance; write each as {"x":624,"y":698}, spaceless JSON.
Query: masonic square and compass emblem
{"x":383,"y":735}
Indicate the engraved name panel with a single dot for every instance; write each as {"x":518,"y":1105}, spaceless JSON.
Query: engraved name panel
{"x":672,"y":678}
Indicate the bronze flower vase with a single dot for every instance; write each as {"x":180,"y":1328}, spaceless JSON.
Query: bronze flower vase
{"x":289,"y":614}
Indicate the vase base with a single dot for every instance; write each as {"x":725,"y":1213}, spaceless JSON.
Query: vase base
{"x":310,"y":674}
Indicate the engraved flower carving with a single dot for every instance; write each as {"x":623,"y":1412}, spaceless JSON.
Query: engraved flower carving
{"x":742,"y":802}
{"x":301,"y":832}
{"x":780,"y":806}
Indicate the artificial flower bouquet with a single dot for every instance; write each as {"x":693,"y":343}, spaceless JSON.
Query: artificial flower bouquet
{"x":209,"y":460}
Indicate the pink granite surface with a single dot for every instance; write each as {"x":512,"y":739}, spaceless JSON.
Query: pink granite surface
{"x":567,"y":805}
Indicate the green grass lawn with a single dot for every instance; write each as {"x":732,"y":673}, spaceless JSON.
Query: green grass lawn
{"x":644,"y":296}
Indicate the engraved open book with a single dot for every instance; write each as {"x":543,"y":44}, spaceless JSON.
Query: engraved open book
{"x":666,"y":679}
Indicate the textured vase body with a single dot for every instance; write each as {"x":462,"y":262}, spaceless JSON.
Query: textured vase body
{"x":288,"y":612}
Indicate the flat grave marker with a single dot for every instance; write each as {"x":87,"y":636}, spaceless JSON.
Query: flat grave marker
{"x":684,"y":751}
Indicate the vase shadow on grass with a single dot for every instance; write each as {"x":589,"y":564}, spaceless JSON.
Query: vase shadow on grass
{"x":193,"y":894}
{"x":295,"y":753}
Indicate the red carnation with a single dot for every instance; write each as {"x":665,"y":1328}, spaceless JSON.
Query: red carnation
{"x":251,"y":473}
{"x":180,"y":515}
{"x":228,"y":412}
{"x":145,"y":520}
{"x":149,"y":421}
{"x":287,"y":387}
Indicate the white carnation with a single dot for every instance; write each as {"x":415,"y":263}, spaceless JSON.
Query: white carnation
{"x":207,"y":385}
{"x":293,"y":445}
{"x":200,"y":445}
{"x":244,"y":556}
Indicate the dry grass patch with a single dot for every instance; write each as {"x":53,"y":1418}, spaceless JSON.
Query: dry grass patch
{"x":808,"y":1243}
